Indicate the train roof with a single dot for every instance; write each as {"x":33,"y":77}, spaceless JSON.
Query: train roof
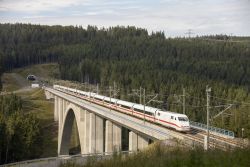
{"x":122,"y":102}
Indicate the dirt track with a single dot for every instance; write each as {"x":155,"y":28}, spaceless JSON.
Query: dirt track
{"x":19,"y":81}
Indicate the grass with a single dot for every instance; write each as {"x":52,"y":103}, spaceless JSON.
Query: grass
{"x":48,"y":71}
{"x":165,"y":156}
{"x":34,"y":101}
{"x":9,"y":83}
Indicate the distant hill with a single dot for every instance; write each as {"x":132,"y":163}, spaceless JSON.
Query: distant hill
{"x":131,"y":57}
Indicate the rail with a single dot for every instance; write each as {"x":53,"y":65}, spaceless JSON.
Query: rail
{"x":212,"y":129}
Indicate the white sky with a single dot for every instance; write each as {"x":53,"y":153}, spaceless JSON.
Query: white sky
{"x":174,"y":17}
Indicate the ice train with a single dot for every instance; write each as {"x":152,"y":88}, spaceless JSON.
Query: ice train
{"x":173,"y":120}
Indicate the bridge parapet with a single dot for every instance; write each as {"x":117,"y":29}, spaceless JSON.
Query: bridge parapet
{"x":48,"y":94}
{"x":212,"y":129}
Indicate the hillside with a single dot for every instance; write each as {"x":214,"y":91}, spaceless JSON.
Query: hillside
{"x":133,"y":58}
{"x":35,"y":103}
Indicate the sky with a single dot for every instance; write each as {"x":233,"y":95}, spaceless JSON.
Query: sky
{"x":173,"y":17}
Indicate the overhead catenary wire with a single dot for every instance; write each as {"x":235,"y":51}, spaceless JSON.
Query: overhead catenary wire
{"x":188,"y":96}
{"x":176,"y":104}
{"x":235,"y":101}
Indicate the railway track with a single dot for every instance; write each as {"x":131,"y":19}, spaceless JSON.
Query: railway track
{"x":196,"y":135}
{"x":232,"y":141}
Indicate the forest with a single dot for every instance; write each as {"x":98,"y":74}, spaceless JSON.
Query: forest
{"x":133,"y":58}
{"x":20,"y":132}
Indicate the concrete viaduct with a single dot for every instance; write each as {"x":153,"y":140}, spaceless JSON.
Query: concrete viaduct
{"x":100,"y":128}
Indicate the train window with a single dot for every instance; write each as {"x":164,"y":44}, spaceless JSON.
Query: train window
{"x":172,"y":117}
{"x":148,"y":113}
{"x":141,"y":111}
{"x":175,"y":118}
{"x":159,"y":114}
{"x":183,"y":119}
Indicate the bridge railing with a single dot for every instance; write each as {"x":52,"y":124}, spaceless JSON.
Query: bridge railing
{"x":57,"y":161}
{"x":212,"y":129}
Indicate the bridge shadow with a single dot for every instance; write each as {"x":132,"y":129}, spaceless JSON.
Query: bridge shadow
{"x":70,"y":143}
{"x":74,"y":147}
{"x":75,"y":150}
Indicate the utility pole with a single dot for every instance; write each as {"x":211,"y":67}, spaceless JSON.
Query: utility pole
{"x":184,"y":100}
{"x":114,"y":92}
{"x":97,"y":88}
{"x":231,"y":37}
{"x":140,"y":94}
{"x":110,"y":97}
{"x":189,"y":32}
{"x":208,"y":91}
{"x":144,"y":102}
{"x":242,"y":132}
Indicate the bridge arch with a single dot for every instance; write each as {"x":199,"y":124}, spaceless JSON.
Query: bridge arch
{"x":72,"y":113}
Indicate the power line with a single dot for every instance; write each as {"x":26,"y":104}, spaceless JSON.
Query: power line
{"x":194,"y":97}
{"x":208,"y":92}
{"x":184,"y":100}
{"x":185,"y":94}
{"x":214,"y":97}
{"x":245,"y":103}
{"x":176,"y":104}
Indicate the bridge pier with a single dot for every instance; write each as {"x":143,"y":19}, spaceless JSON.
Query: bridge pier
{"x":108,"y":137}
{"x":142,"y":142}
{"x":117,"y":137}
{"x":60,"y":123}
{"x":86,"y":131}
{"x":137,"y":142}
{"x":133,"y":141}
{"x":99,"y":134}
{"x":92,"y":133}
{"x":56,"y":109}
{"x":113,"y":134}
{"x":92,"y":141}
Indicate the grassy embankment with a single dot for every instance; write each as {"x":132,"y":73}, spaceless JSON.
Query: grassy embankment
{"x":34,"y":101}
{"x":165,"y":156}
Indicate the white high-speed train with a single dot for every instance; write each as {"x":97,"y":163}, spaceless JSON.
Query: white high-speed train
{"x":177,"y":121}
